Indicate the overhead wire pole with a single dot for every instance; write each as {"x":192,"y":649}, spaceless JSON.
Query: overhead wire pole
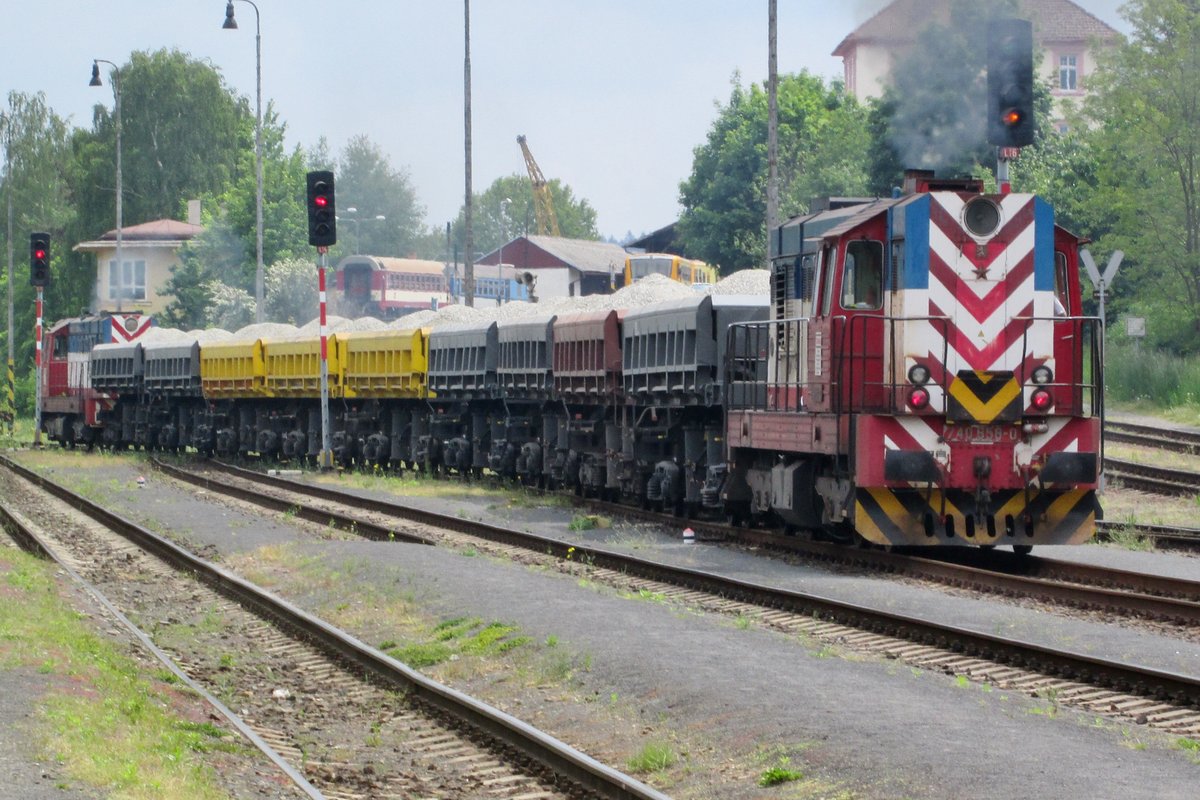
{"x":772,"y":126}
{"x":10,"y":389}
{"x":468,"y":236}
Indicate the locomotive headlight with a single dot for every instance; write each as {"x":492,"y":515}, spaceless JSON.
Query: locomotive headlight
{"x":1041,"y":400}
{"x":918,"y":374}
{"x":918,"y":398}
{"x":981,"y":216}
{"x":1043,"y":375}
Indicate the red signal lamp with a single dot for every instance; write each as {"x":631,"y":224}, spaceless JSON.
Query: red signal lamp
{"x":321,"y":200}
{"x":918,"y":398}
{"x":39,"y":253}
{"x":1041,"y":400}
{"x":1012,"y":118}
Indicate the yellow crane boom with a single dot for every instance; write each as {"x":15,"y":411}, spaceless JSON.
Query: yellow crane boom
{"x":543,"y":206}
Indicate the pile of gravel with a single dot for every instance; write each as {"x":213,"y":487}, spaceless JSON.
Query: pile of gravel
{"x":264,"y":330}
{"x":745,"y":282}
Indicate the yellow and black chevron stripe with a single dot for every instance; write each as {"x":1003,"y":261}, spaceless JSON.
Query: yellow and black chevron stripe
{"x":914,"y":517}
{"x":984,"y":397}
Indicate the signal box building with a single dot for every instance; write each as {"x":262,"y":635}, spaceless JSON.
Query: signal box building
{"x":1063,"y":34}
{"x":148,"y":251}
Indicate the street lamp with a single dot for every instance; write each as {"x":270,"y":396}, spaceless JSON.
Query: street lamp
{"x":116,"y":82}
{"x":504,"y":204}
{"x":231,"y":25}
{"x":356,"y":220}
{"x":10,"y":408}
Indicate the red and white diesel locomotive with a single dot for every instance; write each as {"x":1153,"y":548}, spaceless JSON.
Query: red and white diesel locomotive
{"x":72,"y":406}
{"x":929,"y":375}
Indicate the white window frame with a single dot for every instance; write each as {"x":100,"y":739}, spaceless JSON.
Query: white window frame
{"x":130,"y":282}
{"x":1068,"y":72}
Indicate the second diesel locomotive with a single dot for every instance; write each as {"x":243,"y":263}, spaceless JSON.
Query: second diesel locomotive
{"x":921,"y":373}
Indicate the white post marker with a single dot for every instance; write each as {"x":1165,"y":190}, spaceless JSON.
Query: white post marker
{"x":689,"y":535}
{"x":1101,"y":281}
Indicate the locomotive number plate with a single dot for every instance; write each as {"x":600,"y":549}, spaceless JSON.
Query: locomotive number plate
{"x":982,"y":434}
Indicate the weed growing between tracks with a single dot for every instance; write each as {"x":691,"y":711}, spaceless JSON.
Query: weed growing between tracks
{"x":106,"y":725}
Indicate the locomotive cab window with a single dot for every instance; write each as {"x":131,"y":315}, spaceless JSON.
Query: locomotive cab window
{"x":862,"y":276}
{"x":1062,"y":294}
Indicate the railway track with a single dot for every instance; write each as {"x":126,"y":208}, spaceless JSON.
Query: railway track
{"x":1161,"y":535}
{"x":1173,"y":439}
{"x":1155,"y":480}
{"x":442,"y":742}
{"x":1167,"y":700}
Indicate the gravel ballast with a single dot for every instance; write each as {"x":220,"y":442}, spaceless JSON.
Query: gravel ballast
{"x":874,"y":728}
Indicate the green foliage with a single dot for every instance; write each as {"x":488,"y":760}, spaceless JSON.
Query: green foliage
{"x":587,"y":522}
{"x":654,"y":757}
{"x":1153,"y":376}
{"x":1146,"y":107}
{"x":39,"y":150}
{"x":291,"y":292}
{"x":495,"y":222}
{"x":823,"y":145}
{"x":777,"y":775}
{"x":367,"y":182}
{"x":215,"y":256}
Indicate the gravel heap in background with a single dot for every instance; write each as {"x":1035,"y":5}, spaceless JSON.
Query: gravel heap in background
{"x":644,"y":292}
{"x":746,"y":281}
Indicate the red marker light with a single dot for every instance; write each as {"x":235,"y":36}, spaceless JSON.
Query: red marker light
{"x":1041,"y":400}
{"x":918,"y":398}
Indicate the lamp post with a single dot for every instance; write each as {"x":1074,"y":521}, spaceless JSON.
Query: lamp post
{"x":10,"y":407}
{"x":356,"y":221}
{"x":231,"y":25}
{"x":116,"y":82}
{"x":504,"y":204}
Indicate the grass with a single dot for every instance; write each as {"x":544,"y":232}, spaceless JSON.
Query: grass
{"x":108,"y":727}
{"x":653,"y":757}
{"x":777,"y":775}
{"x":588,"y":522}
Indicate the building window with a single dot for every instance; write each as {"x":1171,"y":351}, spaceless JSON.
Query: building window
{"x":1068,"y":73}
{"x":128,"y":283}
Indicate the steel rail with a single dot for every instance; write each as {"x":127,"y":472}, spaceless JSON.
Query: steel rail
{"x":1146,"y":681}
{"x":556,"y":756}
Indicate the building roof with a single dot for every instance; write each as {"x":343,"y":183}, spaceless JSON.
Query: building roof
{"x":148,"y":234}
{"x":584,"y":255}
{"x":1053,"y":21}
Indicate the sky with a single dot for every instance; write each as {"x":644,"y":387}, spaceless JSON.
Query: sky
{"x":613,"y":95}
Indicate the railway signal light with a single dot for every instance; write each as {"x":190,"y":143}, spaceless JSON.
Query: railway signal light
{"x":322,"y":222}
{"x":1010,"y":83}
{"x":39,"y":259}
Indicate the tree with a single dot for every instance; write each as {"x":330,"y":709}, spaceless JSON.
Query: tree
{"x":291,"y":291}
{"x":822,"y":146}
{"x":368,"y":183}
{"x":38,"y":141}
{"x":284,"y":216}
{"x":183,"y":135}
{"x":231,"y":308}
{"x":1145,"y":103}
{"x":495,"y":221}
{"x":215,"y":257}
